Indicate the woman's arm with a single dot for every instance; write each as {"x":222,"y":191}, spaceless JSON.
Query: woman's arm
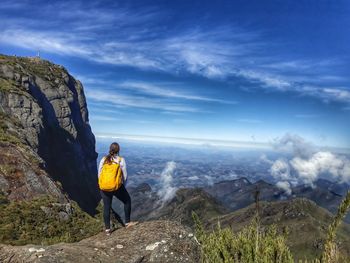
{"x":100,"y":167}
{"x":123,"y":166}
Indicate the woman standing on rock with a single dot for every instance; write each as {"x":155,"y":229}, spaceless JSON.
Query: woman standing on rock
{"x":112,"y":176}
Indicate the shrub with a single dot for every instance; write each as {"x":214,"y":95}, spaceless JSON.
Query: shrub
{"x":251,"y":244}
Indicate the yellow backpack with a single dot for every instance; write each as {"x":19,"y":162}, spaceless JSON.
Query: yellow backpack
{"x":111,"y":176}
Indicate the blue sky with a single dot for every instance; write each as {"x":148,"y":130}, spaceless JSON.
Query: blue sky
{"x":223,"y":70}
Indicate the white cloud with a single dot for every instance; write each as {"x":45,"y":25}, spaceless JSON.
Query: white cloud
{"x":193,"y":178}
{"x":123,"y":100}
{"x":184,"y":121}
{"x":293,"y":143}
{"x":264,"y":159}
{"x":53,"y":42}
{"x":285,"y":185}
{"x":162,"y":90}
{"x":157,"y":95}
{"x":280,"y":82}
{"x":250,"y":121}
{"x":11,"y":5}
{"x":267,"y":80}
{"x":303,"y":64}
{"x":327,"y":94}
{"x":166,"y":191}
{"x":184,"y":142}
{"x":306,"y":116}
{"x":165,"y":96}
{"x":280,"y":170}
{"x":307,"y":164}
{"x":104,"y":118}
{"x":210,"y":180}
{"x":334,"y":167}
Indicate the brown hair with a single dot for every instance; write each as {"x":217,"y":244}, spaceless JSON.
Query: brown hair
{"x":113,"y":150}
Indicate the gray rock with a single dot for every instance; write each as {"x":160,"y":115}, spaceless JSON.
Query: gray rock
{"x":48,"y":211}
{"x":63,"y":216}
{"x":53,"y":121}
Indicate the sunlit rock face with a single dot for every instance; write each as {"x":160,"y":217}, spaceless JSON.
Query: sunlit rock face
{"x":47,"y":146}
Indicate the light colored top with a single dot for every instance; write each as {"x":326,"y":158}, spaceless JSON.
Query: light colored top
{"x":119,"y":160}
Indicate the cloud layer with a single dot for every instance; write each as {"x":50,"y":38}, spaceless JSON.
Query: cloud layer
{"x":306,"y":164}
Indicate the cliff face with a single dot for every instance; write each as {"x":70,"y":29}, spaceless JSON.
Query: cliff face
{"x":46,"y":141}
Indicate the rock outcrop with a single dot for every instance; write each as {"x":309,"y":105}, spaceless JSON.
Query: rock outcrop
{"x":46,"y":143}
{"x":154,"y":241}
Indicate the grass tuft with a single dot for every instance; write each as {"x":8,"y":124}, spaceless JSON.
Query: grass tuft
{"x":44,"y":221}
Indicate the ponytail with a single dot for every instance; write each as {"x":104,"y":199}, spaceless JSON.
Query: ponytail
{"x":113,"y":150}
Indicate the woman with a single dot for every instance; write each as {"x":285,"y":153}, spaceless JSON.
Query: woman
{"x":121,"y":193}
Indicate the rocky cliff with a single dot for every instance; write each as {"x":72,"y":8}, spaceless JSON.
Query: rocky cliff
{"x":156,"y":241}
{"x":46,"y":143}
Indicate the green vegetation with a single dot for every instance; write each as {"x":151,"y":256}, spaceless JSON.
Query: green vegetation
{"x":330,"y":253}
{"x":33,"y":66}
{"x":9,"y":85}
{"x":255,"y":244}
{"x":9,"y":60}
{"x":250,"y":245}
{"x":41,"y":68}
{"x":44,"y":221}
{"x":5,"y":84}
{"x":5,"y":134}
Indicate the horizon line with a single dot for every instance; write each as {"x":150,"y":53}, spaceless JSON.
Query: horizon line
{"x":205,"y":141}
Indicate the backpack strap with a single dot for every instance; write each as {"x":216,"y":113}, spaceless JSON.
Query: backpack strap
{"x":118,"y":160}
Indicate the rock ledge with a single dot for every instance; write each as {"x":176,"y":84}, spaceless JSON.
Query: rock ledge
{"x":153,"y":241}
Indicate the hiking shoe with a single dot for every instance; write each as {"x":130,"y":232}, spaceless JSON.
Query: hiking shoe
{"x":130,"y":224}
{"x":108,"y":232}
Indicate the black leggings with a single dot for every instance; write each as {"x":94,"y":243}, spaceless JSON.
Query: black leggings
{"x":107,"y":197}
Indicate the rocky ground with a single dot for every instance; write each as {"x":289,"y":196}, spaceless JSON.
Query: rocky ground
{"x":153,"y":241}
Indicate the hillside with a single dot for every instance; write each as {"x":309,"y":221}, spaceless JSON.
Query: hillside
{"x":185,"y":202}
{"x":239,"y":193}
{"x":46,"y":146}
{"x":178,"y":209}
{"x":306,"y":222}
